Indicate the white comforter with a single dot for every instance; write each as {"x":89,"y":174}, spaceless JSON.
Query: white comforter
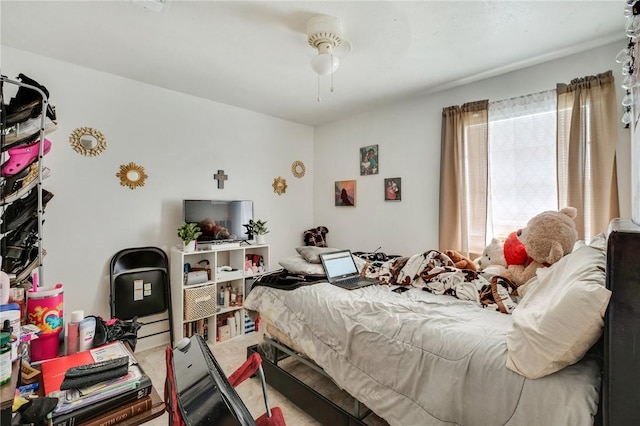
{"x":422,"y":359}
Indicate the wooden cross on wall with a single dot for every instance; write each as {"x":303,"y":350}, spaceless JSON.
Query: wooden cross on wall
{"x":220,"y":177}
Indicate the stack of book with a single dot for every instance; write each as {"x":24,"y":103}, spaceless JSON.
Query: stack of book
{"x":102,"y":404}
{"x":200,"y":327}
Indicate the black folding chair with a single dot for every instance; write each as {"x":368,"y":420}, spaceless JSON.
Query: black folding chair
{"x":140,"y":288}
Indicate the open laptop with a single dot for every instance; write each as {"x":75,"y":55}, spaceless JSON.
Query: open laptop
{"x":341,"y":270}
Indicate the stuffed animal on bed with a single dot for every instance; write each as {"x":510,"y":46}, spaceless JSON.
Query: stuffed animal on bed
{"x":316,"y":236}
{"x":493,"y":254}
{"x":459,"y":260}
{"x":514,"y":252}
{"x":547,"y":237}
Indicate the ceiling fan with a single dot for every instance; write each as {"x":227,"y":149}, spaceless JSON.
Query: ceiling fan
{"x":324,"y":33}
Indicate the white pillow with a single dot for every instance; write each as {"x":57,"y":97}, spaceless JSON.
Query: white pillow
{"x":560,"y":316}
{"x":599,"y":241}
{"x":296,"y":264}
{"x":312,"y":253}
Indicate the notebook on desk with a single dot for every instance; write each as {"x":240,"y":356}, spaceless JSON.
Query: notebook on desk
{"x":342,"y":271}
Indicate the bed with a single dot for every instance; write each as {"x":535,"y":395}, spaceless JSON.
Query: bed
{"x":431,"y":359}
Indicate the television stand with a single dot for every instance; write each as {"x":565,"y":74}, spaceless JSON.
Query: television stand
{"x":214,"y":245}
{"x":196,"y":308}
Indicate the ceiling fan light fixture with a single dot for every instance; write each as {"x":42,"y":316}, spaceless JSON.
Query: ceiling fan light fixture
{"x":324,"y":33}
{"x":325,"y":63}
{"x":324,"y":29}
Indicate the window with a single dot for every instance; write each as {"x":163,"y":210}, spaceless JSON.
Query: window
{"x":522,"y":177}
{"x":504,"y":162}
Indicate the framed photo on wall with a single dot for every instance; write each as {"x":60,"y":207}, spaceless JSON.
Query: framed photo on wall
{"x":393,"y":189}
{"x":345,"y":193}
{"x":369,"y":160}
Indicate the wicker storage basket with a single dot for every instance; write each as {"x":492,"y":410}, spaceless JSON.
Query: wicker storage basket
{"x":199,"y":302}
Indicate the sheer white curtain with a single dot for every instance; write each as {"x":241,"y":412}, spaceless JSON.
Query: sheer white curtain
{"x":522,"y":162}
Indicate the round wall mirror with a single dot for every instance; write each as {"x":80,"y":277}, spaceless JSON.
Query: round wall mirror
{"x":132,"y":175}
{"x":88,"y":141}
{"x":298,"y":169}
{"x":279,"y":185}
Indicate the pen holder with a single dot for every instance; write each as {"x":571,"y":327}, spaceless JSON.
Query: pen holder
{"x":45,"y":310}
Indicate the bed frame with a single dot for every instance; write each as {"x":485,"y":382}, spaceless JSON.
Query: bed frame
{"x":620,"y":346}
{"x":621,"y":370}
{"x":304,"y":396}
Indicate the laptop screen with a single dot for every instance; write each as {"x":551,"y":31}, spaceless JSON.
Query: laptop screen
{"x":338,"y":264}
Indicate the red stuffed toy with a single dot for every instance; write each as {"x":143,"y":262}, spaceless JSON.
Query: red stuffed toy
{"x":515,"y":253}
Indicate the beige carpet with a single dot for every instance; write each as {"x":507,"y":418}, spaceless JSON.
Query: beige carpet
{"x":230,"y":355}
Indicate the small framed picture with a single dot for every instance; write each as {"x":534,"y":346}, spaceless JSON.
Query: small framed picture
{"x":369,"y":160}
{"x":345,"y":193}
{"x":393,"y":189}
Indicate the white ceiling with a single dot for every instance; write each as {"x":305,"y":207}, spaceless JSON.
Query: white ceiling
{"x":255,"y":55}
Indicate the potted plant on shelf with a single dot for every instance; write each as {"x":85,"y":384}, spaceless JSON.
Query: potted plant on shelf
{"x":189,"y":233}
{"x":259,"y":229}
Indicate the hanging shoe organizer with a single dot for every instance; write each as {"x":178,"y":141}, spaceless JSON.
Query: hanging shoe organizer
{"x":23,"y":146}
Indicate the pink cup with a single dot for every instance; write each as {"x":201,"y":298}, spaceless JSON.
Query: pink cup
{"x":45,"y":310}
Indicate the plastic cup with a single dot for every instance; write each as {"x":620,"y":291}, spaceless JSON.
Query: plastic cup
{"x":45,"y":310}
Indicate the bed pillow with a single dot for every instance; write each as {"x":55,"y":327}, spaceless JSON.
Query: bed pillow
{"x":560,"y":316}
{"x":296,"y":264}
{"x":312,"y":254}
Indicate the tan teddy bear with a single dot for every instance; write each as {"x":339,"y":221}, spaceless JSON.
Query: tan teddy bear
{"x":459,"y":260}
{"x":547,"y":237}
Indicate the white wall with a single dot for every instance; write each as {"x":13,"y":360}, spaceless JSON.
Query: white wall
{"x":181,"y":141}
{"x":408,"y":135}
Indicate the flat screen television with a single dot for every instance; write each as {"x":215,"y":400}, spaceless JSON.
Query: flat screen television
{"x":219,"y":220}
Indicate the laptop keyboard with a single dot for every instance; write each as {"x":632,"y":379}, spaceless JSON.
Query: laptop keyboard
{"x":351,"y":281}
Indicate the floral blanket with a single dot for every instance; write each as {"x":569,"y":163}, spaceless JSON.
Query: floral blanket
{"x":433,"y":271}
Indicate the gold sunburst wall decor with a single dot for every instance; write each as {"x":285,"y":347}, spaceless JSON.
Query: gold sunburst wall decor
{"x":131,"y":175}
{"x":279,"y":185}
{"x":88,"y":141}
{"x":298,"y":169}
